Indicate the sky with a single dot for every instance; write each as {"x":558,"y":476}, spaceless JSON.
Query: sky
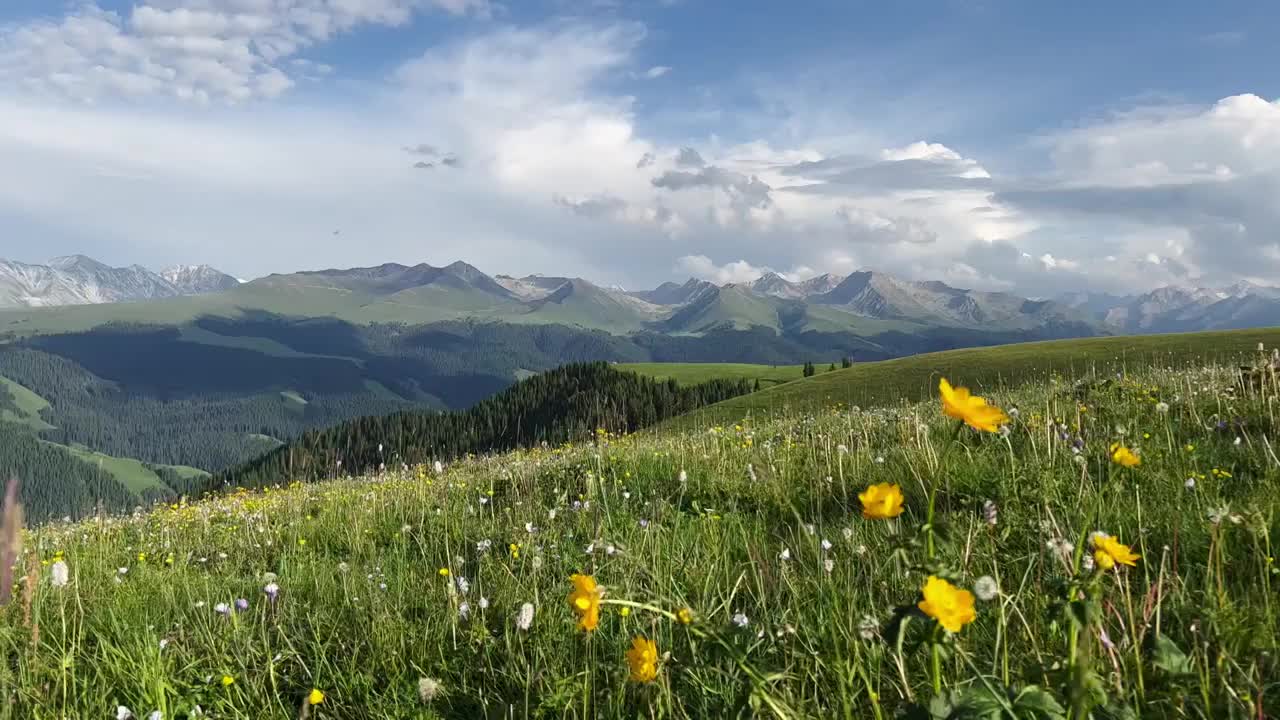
{"x":1029,"y":147}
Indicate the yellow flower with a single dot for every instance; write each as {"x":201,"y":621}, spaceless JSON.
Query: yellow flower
{"x":974,"y":410}
{"x":1123,"y":456}
{"x":585,"y":601}
{"x":685,"y":616}
{"x":227,"y":681}
{"x":881,"y":502}
{"x":315,"y":697}
{"x":643,"y":660}
{"x":948,"y":604}
{"x":624,"y":611}
{"x":1107,"y":551}
{"x":443,"y":572}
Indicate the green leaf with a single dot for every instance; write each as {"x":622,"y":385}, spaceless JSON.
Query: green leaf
{"x":1035,"y":701}
{"x":978,"y":703}
{"x":940,"y":707}
{"x":1169,"y":657}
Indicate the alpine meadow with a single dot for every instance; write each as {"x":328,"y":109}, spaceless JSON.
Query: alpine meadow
{"x":639,"y":360}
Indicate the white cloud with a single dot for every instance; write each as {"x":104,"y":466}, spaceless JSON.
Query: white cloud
{"x":656,"y":71}
{"x":201,"y":50}
{"x":703,"y":268}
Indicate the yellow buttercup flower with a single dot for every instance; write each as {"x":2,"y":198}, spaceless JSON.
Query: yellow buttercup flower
{"x":1123,"y":456}
{"x":1107,"y":551}
{"x":642,"y":658}
{"x":227,"y":681}
{"x":881,"y":502}
{"x":973,"y":410}
{"x":948,"y":604}
{"x":585,"y":601}
{"x":685,"y":616}
{"x":315,"y":697}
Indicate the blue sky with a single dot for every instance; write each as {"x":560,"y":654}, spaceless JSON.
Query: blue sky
{"x":1007,"y":145}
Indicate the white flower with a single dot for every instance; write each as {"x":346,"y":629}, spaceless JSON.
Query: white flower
{"x":868,"y":627}
{"x":785,"y":554}
{"x":1088,"y":562}
{"x":484,"y":603}
{"x":1014,"y":412}
{"x":810,"y":529}
{"x":525,"y":619}
{"x":683,"y":477}
{"x":986,"y":588}
{"x":438,"y":467}
{"x":848,"y":533}
{"x":59,"y":574}
{"x":740,"y":619}
{"x":123,"y":713}
{"x":842,"y":449}
{"x":1162,"y":407}
{"x":155,"y":715}
{"x":483,"y":546}
{"x":880,"y":459}
{"x":464,"y":611}
{"x":343,"y":567}
{"x":464,"y":587}
{"x":537,"y":562}
{"x":122,"y":571}
{"x":1190,"y":483}
{"x":551,"y":514}
{"x":222,"y":609}
{"x":826,"y":544}
{"x":529,"y":528}
{"x":164,"y":643}
{"x":428,"y":688}
{"x":828,"y":565}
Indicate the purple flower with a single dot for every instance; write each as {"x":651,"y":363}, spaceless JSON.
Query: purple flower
{"x":242,"y":605}
{"x":271,"y":590}
{"x":644,"y":524}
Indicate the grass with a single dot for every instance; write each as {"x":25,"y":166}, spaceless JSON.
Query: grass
{"x":692,"y":373}
{"x":29,"y":407}
{"x":130,"y":473}
{"x":800,"y":606}
{"x":914,"y":378}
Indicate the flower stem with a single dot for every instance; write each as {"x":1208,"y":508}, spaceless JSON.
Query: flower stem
{"x":933,"y":486}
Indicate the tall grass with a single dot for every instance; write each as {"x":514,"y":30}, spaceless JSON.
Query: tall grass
{"x":400,"y":596}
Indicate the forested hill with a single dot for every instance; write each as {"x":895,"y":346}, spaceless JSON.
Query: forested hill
{"x":562,"y":404}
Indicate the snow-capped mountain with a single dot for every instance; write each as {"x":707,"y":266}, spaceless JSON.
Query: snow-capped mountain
{"x":198,"y":279}
{"x":80,"y":280}
{"x":1182,"y":309}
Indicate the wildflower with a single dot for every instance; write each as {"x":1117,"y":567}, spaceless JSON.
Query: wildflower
{"x":868,"y":627}
{"x":685,"y":616}
{"x":428,"y":688}
{"x":59,"y":574}
{"x":785,"y":555}
{"x":986,"y":588}
{"x":881,"y":501}
{"x":828,"y":565}
{"x":438,"y":467}
{"x":740,"y":619}
{"x":222,"y":609}
{"x":514,"y":549}
{"x":642,"y":658}
{"x":1123,"y":456}
{"x":483,"y":546}
{"x":464,"y":586}
{"x":464,"y":611}
{"x":525,"y":619}
{"x":958,"y":403}
{"x":683,"y":477}
{"x":848,"y":533}
{"x":826,"y":544}
{"x":315,"y":697}
{"x":1162,"y":407}
{"x":949,"y":605}
{"x":155,"y":715}
{"x":242,"y":604}
{"x":123,"y":713}
{"x":228,"y":681}
{"x":990,"y":512}
{"x":271,"y":590}
{"x":1108,"y":551}
{"x":484,"y":603}
{"x":585,"y":601}
{"x":1190,"y":483}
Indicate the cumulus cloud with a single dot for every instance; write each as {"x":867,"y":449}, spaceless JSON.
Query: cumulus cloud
{"x":703,"y":268}
{"x":213,"y":51}
{"x":919,"y":166}
{"x":1204,"y":179}
{"x":864,"y":226}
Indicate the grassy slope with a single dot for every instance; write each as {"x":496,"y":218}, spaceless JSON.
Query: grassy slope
{"x":29,"y":407}
{"x":916,"y":377}
{"x":128,"y":472}
{"x":365,"y":610}
{"x":701,"y":372}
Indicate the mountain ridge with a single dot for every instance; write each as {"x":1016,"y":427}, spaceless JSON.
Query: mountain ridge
{"x":81,"y":280}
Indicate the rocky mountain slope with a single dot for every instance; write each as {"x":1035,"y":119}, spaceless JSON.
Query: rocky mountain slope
{"x":80,"y":280}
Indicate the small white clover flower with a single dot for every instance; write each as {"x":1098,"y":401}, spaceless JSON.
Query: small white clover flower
{"x":740,"y":619}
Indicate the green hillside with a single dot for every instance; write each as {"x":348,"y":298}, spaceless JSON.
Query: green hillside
{"x":913,"y":378}
{"x":702,"y":372}
{"x":23,"y":406}
{"x":1026,"y":575}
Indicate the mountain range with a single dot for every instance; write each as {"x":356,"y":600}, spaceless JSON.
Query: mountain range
{"x":80,"y":280}
{"x":863,"y":304}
